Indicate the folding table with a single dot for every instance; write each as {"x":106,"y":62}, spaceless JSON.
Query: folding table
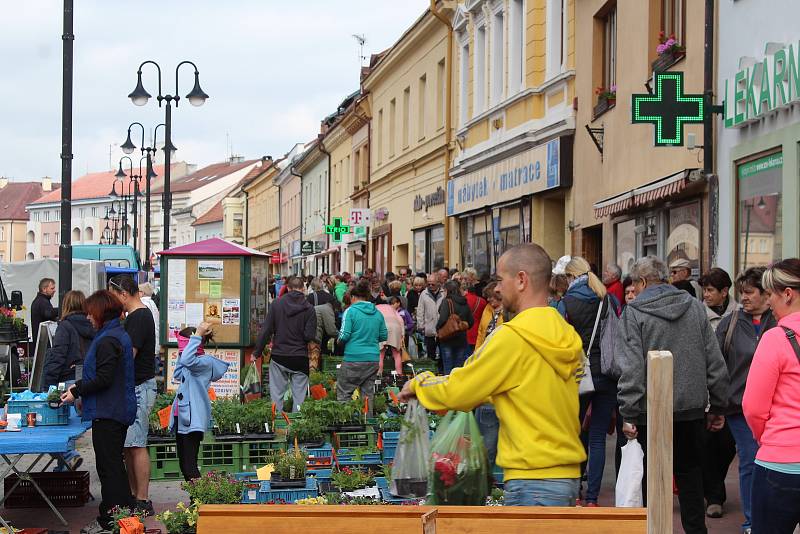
{"x":41,"y":441}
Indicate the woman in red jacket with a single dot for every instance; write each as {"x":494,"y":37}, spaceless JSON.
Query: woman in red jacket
{"x":771,"y":405}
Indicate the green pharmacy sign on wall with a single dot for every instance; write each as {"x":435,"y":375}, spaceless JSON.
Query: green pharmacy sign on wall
{"x":667,"y":108}
{"x":337,"y":229}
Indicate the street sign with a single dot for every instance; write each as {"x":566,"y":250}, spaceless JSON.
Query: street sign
{"x":667,"y":108}
{"x":360,"y":217}
{"x":306,"y":248}
{"x":337,"y":229}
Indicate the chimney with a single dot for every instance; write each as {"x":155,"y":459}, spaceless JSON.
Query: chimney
{"x":235,"y":159}
{"x":3,"y":182}
{"x":47,"y":184}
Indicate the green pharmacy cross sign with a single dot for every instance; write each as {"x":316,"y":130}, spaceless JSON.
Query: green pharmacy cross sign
{"x":668,"y":108}
{"x":337,"y":229}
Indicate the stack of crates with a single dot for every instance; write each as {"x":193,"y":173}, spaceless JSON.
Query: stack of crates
{"x":367,"y":461}
{"x":331,"y":363}
{"x":320,"y":458}
{"x":262,"y":493}
{"x":258,"y":453}
{"x":390,"y":440}
{"x":351,"y":440}
{"x":164,"y":464}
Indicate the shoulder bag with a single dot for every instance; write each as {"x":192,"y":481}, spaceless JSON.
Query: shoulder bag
{"x":586,"y":384}
{"x":453,"y":326}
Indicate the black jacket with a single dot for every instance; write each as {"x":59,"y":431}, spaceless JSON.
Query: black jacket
{"x":460,"y":307}
{"x":291,"y":324}
{"x":41,"y":311}
{"x":73,"y":337}
{"x":580,"y":305}
{"x":740,"y":354}
{"x":413,"y":300}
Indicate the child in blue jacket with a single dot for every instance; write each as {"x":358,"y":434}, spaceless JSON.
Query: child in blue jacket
{"x":191,"y":410}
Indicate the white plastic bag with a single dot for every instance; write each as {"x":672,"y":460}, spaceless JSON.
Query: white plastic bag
{"x":631,"y":471}
{"x":410,"y":468}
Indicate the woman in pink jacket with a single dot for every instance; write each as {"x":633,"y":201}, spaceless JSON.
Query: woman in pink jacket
{"x":771,"y":406}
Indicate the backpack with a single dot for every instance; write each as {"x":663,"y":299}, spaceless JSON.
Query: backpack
{"x":609,"y":334}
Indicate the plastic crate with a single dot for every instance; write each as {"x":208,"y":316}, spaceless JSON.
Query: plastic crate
{"x":64,"y":489}
{"x":256,"y":454}
{"x":387,"y":497}
{"x":220,"y":456}
{"x":164,"y":464}
{"x":389,"y":452}
{"x":322,"y":475}
{"x":265,"y":494}
{"x":45,"y":415}
{"x":423,"y":365}
{"x":391,"y":437}
{"x":345,"y":458}
{"x":351,"y":440}
{"x":331,"y":363}
{"x":321,"y":457}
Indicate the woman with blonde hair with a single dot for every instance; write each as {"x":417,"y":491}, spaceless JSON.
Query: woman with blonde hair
{"x":771,"y":406}
{"x":585,"y":298}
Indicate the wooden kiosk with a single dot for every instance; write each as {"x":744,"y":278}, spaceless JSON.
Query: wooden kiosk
{"x":222,"y":283}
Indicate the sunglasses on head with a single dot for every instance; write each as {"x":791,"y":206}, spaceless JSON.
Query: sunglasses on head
{"x":116,"y":285}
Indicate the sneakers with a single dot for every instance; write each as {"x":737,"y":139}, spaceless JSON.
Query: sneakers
{"x":95,"y":528}
{"x":146,"y":507}
{"x":714,"y":511}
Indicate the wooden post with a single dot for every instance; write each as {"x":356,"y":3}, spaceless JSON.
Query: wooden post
{"x":659,"y":442}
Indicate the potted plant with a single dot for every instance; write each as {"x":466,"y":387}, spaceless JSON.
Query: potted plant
{"x":347,"y":479}
{"x":214,"y":488}
{"x":12,"y":328}
{"x":54,"y":399}
{"x":254,"y":418}
{"x":307,"y":431}
{"x":669,"y":51}
{"x":606,"y":99}
{"x":182,"y":520}
{"x":157,"y":432}
{"x":290,"y":470}
{"x":227,"y":414}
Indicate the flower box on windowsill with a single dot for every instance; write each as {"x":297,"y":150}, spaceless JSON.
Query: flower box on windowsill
{"x":666,"y":60}
{"x":603,"y":105}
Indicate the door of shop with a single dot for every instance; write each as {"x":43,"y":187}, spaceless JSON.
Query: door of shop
{"x":592,"y":246}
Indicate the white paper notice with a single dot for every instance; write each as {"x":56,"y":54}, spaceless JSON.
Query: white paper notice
{"x":176,"y":316}
{"x":230,"y":311}
{"x":177,"y":279}
{"x":194,"y":313}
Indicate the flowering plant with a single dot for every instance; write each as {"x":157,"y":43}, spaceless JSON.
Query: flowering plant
{"x":607,"y":94}
{"x":9,"y":316}
{"x":446,"y":467}
{"x":214,"y":488}
{"x":182,"y":520}
{"x":347,"y":479}
{"x":668,"y":44}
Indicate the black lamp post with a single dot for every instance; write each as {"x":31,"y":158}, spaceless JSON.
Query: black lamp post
{"x":125,"y":197}
{"x":128,"y":147}
{"x":196,"y":97}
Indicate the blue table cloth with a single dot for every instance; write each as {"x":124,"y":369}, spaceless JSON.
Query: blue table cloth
{"x":43,"y":439}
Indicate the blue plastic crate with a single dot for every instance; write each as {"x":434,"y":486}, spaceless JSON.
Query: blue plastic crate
{"x":264,"y":494}
{"x":387,"y":497}
{"x":343,"y":455}
{"x":322,"y":475}
{"x":389,"y":452}
{"x":45,"y":415}
{"x":391,"y":436}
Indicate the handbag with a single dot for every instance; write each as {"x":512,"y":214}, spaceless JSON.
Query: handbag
{"x":453,"y":326}
{"x":586,"y":384}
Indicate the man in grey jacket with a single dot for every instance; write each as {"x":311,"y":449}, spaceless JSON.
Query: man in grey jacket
{"x":665,"y":318}
{"x":428,"y":313}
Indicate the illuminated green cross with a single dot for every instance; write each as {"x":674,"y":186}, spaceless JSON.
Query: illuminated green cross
{"x":337,"y":229}
{"x":668,"y":108}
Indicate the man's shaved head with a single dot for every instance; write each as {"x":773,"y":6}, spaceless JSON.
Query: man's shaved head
{"x":531,"y":259}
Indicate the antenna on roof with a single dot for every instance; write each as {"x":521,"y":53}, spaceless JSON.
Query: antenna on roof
{"x":361,"y":39}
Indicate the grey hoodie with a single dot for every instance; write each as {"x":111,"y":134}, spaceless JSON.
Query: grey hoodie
{"x":666,"y":318}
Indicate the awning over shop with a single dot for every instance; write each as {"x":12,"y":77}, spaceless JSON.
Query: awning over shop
{"x":658,"y":190}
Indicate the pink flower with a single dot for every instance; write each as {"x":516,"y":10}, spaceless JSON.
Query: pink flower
{"x":670,"y":42}
{"x":613,"y":88}
{"x":661,"y":48}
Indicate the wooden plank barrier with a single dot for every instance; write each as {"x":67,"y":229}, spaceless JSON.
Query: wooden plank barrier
{"x":387,"y":519}
{"x":659,"y":442}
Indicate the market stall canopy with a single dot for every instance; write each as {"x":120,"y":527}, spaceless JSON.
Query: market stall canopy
{"x":212,"y":247}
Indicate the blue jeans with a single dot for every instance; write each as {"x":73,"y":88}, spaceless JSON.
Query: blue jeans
{"x":541,"y":492}
{"x":746,"y":448}
{"x":776,"y":501}
{"x":604,"y":403}
{"x":452,"y":356}
{"x":489,"y":426}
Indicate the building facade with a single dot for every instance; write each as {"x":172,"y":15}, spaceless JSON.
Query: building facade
{"x":758,"y":81}
{"x":313,"y":166}
{"x":14,"y":197}
{"x":209,"y":224}
{"x":515,"y":122}
{"x":290,"y":194}
{"x":262,"y":213}
{"x":631,"y":198}
{"x":407,"y":91}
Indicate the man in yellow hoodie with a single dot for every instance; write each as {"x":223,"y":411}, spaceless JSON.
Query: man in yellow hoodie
{"x":527,"y":367}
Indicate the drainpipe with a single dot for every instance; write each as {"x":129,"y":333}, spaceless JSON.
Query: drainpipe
{"x":328,"y":208}
{"x":246,"y":219}
{"x":708,"y":135}
{"x":448,"y":124}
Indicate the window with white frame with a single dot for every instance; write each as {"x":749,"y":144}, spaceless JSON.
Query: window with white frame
{"x":94,"y":212}
{"x":610,"y":49}
{"x":392,"y":126}
{"x":441,"y":93}
{"x":406,"y":115}
{"x":516,"y":46}
{"x":498,"y":58}
{"x":555,"y":37}
{"x":46,"y":239}
{"x":422,"y":89}
{"x":81,"y":213}
{"x":464,"y":84}
{"x":3,"y":233}
{"x":46,"y":215}
{"x":379,"y":136}
{"x":479,"y":71}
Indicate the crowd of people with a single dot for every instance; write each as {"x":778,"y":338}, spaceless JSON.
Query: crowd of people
{"x":551,"y":356}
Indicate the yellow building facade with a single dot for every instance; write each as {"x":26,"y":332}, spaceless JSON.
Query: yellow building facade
{"x":262,"y":209}
{"x":514,"y":121}
{"x":630,"y":198}
{"x":408,"y":97}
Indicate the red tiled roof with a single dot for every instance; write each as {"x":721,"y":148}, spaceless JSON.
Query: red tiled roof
{"x":211,"y":216}
{"x":93,"y":185}
{"x":16,"y":195}
{"x":206,"y":175}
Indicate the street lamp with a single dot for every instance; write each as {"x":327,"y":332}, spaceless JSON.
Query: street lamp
{"x":140,"y":96}
{"x":128,"y":147}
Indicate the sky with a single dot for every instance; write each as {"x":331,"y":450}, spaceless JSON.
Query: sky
{"x":272,"y":68}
